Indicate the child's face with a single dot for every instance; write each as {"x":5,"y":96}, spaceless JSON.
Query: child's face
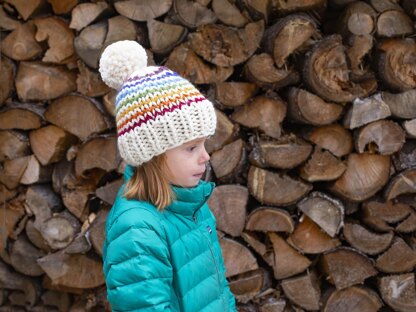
{"x":187,"y":163}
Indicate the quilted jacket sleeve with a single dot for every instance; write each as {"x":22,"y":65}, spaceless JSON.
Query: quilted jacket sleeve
{"x":227,"y":288}
{"x":137,"y":268}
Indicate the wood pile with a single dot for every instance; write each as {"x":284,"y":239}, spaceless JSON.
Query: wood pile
{"x":314,"y":155}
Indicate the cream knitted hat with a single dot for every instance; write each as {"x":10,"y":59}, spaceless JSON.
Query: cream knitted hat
{"x":156,"y":109}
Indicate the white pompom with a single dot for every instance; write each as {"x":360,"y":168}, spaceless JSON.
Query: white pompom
{"x":121,"y":59}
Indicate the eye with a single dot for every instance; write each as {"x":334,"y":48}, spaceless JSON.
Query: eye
{"x":191,"y":148}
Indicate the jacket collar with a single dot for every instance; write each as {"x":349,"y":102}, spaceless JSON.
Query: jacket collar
{"x":187,"y":200}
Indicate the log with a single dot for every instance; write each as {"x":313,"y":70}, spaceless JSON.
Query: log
{"x":164,"y":37}
{"x":402,"y":183}
{"x":60,"y":230}
{"x":358,"y":18}
{"x":330,"y":80}
{"x":193,"y":14}
{"x":13,"y":144}
{"x":109,"y":101}
{"x":225,"y":133}
{"x":100,"y":153}
{"x":254,"y":241}
{"x":7,"y":69}
{"x":64,"y":113}
{"x":59,"y":37}
{"x":142,"y":10}
{"x":228,"y":13}
{"x":409,"y":6}
{"x":402,"y":105}
{"x":365,"y":111}
{"x":393,"y":65}
{"x":345,"y":267}
{"x":398,"y":291}
{"x":89,"y":83}
{"x":97,"y":231}
{"x":76,"y":271}
{"x":186,"y":63}
{"x":261,"y":70}
{"x":410,"y":127}
{"x":225,"y":46}
{"x":288,"y":35}
{"x":378,"y":215}
{"x":50,"y":143}
{"x":326,"y":211}
{"x":29,"y":9}
{"x":307,"y":108}
{"x":322,"y":166}
{"x":333,"y":138}
{"x":287,"y":152}
{"x":12,"y":213}
{"x":6,"y":194}
{"x":258,"y":9}
{"x":387,"y":135}
{"x":303,"y":290}
{"x":34,"y":79}
{"x":275,"y":189}
{"x":384,"y":5}
{"x":10,"y":279}
{"x":268,"y":219}
{"x":234,"y":94}
{"x":394,"y":23}
{"x":229,"y":204}
{"x":120,"y":28}
{"x":42,"y":202}
{"x":35,"y":173}
{"x":247,"y":285}
{"x":296,"y":5}
{"x":399,"y":258}
{"x":108,"y":192}
{"x":237,"y":258}
{"x":35,"y":237}
{"x":21,"y":116}
{"x":7,"y":22}
{"x":228,"y":162}
{"x":406,"y":157}
{"x":369,"y":242}
{"x":20,"y":44}
{"x":62,"y":7}
{"x":359,"y":46}
{"x":60,"y":300}
{"x":358,"y":183}
{"x":263,"y":112}
{"x":309,"y":238}
{"x":89,"y":42}
{"x":361,"y":298}
{"x":287,"y":261}
{"x":408,"y":225}
{"x":86,"y":13}
{"x":13,"y":170}
{"x":23,"y":256}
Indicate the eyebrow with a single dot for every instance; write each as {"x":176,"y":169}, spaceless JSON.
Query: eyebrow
{"x":195,"y":141}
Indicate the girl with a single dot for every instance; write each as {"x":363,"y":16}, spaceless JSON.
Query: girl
{"x":161,"y":251}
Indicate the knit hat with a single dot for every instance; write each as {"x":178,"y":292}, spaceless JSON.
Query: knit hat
{"x":156,"y":109}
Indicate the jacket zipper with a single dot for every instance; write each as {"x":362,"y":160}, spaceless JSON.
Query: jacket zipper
{"x":215,"y":262}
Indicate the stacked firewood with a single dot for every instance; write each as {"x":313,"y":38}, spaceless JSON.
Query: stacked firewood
{"x":314,"y":156}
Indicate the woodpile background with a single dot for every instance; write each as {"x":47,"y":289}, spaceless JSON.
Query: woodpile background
{"x":314,"y":156}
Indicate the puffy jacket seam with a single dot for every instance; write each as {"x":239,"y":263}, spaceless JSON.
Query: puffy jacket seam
{"x":140,"y":254}
{"x":144,"y":280}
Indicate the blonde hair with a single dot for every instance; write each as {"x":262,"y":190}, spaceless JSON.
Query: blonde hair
{"x":150,"y":183}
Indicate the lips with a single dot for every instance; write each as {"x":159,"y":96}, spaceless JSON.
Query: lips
{"x":198,"y":174}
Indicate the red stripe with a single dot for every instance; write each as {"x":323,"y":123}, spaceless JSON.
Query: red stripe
{"x":139,"y":122}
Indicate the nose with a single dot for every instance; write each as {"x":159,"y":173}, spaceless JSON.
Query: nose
{"x":204,"y":156}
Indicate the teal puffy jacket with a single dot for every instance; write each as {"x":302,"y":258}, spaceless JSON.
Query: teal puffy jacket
{"x":165,"y":261}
